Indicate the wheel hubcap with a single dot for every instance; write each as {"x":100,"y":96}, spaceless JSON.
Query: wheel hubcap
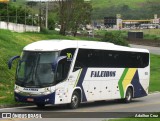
{"x":129,"y":96}
{"x":75,"y":100}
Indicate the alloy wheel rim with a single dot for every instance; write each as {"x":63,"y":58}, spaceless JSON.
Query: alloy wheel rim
{"x":75,"y":100}
{"x":129,"y":96}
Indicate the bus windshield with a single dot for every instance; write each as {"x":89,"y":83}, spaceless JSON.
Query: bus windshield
{"x":35,"y":69}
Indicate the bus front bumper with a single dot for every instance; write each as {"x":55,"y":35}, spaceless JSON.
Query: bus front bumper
{"x":42,"y":99}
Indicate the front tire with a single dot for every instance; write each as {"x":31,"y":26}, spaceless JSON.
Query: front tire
{"x":129,"y":96}
{"x":75,"y":100}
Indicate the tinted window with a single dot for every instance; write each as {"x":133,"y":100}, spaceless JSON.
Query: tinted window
{"x":64,"y":65}
{"x":111,"y":59}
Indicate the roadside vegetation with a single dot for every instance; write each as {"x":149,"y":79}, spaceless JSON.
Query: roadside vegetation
{"x":154,"y":73}
{"x":12,"y":43}
{"x":67,"y":16}
{"x":115,"y":37}
{"x":152,"y":34}
{"x":149,"y":34}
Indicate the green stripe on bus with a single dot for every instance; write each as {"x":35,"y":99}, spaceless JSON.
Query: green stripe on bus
{"x":78,"y":78}
{"x":120,"y":82}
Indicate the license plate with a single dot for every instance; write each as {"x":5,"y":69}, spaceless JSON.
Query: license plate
{"x":30,"y":99}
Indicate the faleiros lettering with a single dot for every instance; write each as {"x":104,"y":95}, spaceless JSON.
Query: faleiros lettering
{"x":103,"y":73}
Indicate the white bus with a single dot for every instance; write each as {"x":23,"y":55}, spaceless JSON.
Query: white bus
{"x":72,"y":72}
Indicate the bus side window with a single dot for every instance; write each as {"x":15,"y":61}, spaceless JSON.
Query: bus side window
{"x":62,"y":70}
{"x":64,"y":66}
{"x":82,"y":59}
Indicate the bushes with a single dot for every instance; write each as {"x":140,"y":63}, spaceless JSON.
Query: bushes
{"x":151,"y":37}
{"x":115,"y":37}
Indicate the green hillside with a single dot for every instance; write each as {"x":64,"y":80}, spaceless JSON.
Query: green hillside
{"x":108,"y":3}
{"x":129,"y":9}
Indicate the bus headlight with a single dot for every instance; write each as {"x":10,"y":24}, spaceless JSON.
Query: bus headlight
{"x":47,"y":91}
{"x":16,"y":89}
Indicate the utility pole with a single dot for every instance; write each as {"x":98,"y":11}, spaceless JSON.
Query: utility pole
{"x":7,"y":17}
{"x":25,"y":15}
{"x":32,"y":13}
{"x":16,"y":15}
{"x":46,"y":14}
{"x":40,"y":14}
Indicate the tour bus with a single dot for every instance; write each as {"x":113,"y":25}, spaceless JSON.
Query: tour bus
{"x":73,"y":72}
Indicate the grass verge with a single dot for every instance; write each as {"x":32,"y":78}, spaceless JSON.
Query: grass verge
{"x":149,"y":34}
{"x":154,"y":73}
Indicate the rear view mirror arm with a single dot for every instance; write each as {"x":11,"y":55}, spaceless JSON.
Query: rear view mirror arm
{"x":54,"y":64}
{"x":11,"y":60}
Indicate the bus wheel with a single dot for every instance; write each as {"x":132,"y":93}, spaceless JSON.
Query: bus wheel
{"x":40,"y":105}
{"x":75,"y":100}
{"x":128,"y":97}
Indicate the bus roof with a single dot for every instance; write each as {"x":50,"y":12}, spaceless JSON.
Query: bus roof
{"x":57,"y":45}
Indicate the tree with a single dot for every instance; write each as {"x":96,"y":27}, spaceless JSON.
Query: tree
{"x":51,"y":23}
{"x":16,"y":12}
{"x":63,"y":15}
{"x":73,"y":13}
{"x":81,"y":15}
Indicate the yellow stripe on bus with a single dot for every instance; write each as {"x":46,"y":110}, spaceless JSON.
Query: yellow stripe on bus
{"x":128,"y":78}
{"x":78,"y":78}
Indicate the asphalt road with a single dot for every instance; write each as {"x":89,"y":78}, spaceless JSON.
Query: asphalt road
{"x":150,"y":103}
{"x":153,"y":50}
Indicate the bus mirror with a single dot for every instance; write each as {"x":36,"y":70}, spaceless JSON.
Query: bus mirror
{"x":11,"y":60}
{"x":55,"y":63}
